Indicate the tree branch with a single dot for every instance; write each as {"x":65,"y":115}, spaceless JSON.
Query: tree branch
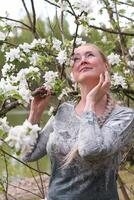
{"x":54,"y":4}
{"x":127,"y":4}
{"x":111,"y":31}
{"x":28,"y":14}
{"x":8,"y":107}
{"x":34,"y":21}
{"x":14,"y":20}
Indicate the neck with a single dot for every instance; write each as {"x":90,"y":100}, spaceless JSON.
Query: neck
{"x":100,"y":106}
{"x":85,"y":89}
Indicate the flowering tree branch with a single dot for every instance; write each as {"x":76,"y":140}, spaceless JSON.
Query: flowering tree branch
{"x":18,"y":21}
{"x":6,"y":108}
{"x":127,"y":4}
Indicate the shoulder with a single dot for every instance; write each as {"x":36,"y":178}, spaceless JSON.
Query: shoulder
{"x":123,"y":111}
{"x":66,"y":106}
{"x":64,"y":110}
{"x":123,"y":115}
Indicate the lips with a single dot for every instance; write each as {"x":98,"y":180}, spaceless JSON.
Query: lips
{"x":85,"y":69}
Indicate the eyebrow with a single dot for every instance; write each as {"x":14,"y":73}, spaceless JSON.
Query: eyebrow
{"x":77,"y":54}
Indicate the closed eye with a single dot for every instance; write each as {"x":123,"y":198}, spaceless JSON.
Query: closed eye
{"x":89,"y":54}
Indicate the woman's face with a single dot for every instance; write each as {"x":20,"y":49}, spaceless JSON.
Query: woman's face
{"x":87,"y":63}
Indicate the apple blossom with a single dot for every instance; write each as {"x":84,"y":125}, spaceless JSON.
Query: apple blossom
{"x":113,"y":59}
{"x":117,"y":80}
{"x":62,"y":57}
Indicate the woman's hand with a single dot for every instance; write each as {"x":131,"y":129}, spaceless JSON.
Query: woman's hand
{"x":38,"y":104}
{"x":96,"y":94}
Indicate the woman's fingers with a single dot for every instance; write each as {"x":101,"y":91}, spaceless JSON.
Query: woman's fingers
{"x":107,"y":82}
{"x":41,"y":91}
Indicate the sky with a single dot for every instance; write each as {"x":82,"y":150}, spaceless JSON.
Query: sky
{"x":15,"y":10}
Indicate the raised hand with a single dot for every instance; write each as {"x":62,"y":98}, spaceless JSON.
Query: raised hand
{"x":38,"y":104}
{"x":101,"y":89}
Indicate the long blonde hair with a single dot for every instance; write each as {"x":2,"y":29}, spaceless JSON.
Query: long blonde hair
{"x":74,"y":151}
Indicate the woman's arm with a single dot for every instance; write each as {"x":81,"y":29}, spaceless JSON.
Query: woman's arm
{"x":39,"y":149}
{"x":96,"y":142}
{"x":38,"y":105}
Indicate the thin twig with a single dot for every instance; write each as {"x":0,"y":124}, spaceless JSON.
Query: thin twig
{"x":6,"y":188}
{"x":54,"y":4}
{"x":62,"y":24}
{"x":20,"y":161}
{"x":14,"y":20}
{"x":127,"y":4}
{"x":110,"y":30}
{"x":41,"y":181}
{"x":34,"y":20}
{"x":24,"y":190}
{"x":36,"y":181}
{"x":28,"y":14}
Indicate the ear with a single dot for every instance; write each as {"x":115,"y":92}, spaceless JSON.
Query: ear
{"x":107,"y":66}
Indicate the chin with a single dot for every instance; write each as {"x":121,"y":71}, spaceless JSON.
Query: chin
{"x":87,"y":77}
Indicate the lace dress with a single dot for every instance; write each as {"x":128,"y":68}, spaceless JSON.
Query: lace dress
{"x":92,"y":174}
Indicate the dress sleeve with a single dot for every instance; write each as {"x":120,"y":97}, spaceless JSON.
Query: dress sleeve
{"x":96,"y":142}
{"x":39,"y":149}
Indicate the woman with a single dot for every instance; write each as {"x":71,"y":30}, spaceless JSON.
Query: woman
{"x":84,"y":141}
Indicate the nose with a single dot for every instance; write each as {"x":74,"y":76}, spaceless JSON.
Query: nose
{"x":83,"y":60}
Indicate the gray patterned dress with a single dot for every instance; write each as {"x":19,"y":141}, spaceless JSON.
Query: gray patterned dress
{"x":92,"y":174}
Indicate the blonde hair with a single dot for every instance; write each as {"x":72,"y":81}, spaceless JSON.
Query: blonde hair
{"x":74,"y":151}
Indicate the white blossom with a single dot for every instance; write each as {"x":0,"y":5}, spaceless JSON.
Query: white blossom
{"x":23,"y":137}
{"x":6,"y":68}
{"x":63,"y":5}
{"x":25,"y":71}
{"x":25,"y":47}
{"x":131,"y":51}
{"x":6,"y":86}
{"x":131,"y":63}
{"x":41,"y":42}
{"x":4,"y":125}
{"x":34,"y":59}
{"x":2,"y":36}
{"x":104,"y":39}
{"x":117,"y":80}
{"x":56,"y":44}
{"x":64,"y":92}
{"x":50,"y":78}
{"x":25,"y":94}
{"x":62,"y":57}
{"x":3,"y":47}
{"x":83,"y":5}
{"x":79,"y":41}
{"x":113,"y":59}
{"x":127,"y":71}
{"x":13,"y":54}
